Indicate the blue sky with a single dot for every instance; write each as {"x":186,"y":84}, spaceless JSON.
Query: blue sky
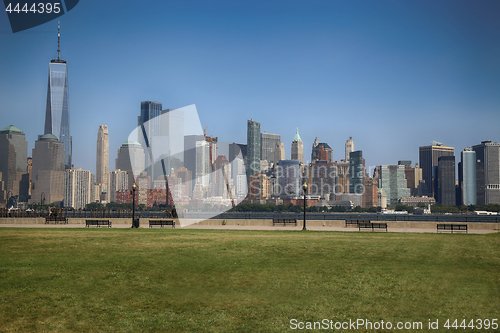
{"x":394,"y":75}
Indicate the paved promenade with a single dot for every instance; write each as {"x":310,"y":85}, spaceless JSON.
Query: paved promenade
{"x":233,"y":226}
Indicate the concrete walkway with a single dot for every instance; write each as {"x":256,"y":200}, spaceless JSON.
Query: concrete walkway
{"x":247,"y":227}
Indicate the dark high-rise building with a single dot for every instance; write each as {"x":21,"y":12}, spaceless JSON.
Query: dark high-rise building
{"x":429,"y":156}
{"x":405,"y":163}
{"x":268,"y":143}
{"x":315,"y":151}
{"x":488,"y":172}
{"x":130,"y":158}
{"x":57,"y":110}
{"x":357,"y":172}
{"x":149,"y":111}
{"x":446,"y":181}
{"x":253,"y":148}
{"x":235,"y":149}
{"x":13,"y":154}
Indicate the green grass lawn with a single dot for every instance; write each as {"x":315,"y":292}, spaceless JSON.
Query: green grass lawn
{"x":164,"y":280}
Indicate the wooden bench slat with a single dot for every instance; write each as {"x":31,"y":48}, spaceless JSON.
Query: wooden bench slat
{"x":162,"y":223}
{"x":452,"y":227}
{"x":97,"y":223}
{"x":372,"y":226}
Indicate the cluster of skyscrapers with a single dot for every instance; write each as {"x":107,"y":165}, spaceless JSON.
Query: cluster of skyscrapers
{"x":169,"y":166}
{"x":350,"y":183}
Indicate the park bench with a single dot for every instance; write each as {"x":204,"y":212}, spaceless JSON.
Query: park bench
{"x":372,"y":226}
{"x":355,"y":222}
{"x":284,"y":221}
{"x":97,"y":223}
{"x":56,"y":219}
{"x":452,"y":227}
{"x":162,"y":223}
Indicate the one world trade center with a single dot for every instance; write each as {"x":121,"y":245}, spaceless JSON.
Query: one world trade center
{"x":57,"y":111}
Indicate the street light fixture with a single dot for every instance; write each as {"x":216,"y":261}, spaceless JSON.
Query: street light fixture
{"x":304,"y":187}
{"x":134,"y":224}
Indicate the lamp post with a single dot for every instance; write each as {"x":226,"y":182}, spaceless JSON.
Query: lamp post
{"x":304,"y":187}
{"x":134,"y":187}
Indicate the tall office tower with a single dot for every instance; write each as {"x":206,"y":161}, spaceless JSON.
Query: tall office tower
{"x":25,"y":185}
{"x":381,"y":199}
{"x":342,"y":185}
{"x":371,"y":189}
{"x":241,"y":186}
{"x":315,"y":150}
{"x":149,"y":127}
{"x":259,"y":187}
{"x":297,"y":148}
{"x":57,"y":110}
{"x":212,"y":151}
{"x":190,"y":152}
{"x":467,"y":177}
{"x":356,"y":172}
{"x":78,"y":188}
{"x":149,"y":111}
{"x":393,"y":183}
{"x":48,"y":170}
{"x":130,"y":158}
{"x":143,"y":188}
{"x":253,"y":148}
{"x":446,"y":181}
{"x":102,"y":163}
{"x":413,"y":176}
{"x":238,"y":173}
{"x":279,"y":152}
{"x":323,"y":179}
{"x":289,"y":176}
{"x":488,"y":172}
{"x":202,"y":171}
{"x":170,"y":145}
{"x":118,"y":180}
{"x":268,"y":144}
{"x":222,"y":177}
{"x":186,"y":178}
{"x":13,"y":154}
{"x":429,"y":156}
{"x":349,"y":148}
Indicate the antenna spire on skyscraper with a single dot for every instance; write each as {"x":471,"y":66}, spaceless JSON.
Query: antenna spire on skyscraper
{"x":58,"y":39}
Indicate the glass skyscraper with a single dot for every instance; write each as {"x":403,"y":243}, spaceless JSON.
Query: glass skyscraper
{"x":393,"y":183}
{"x":268,"y":143}
{"x":467,"y":171}
{"x":57,"y":110}
{"x":253,"y":148}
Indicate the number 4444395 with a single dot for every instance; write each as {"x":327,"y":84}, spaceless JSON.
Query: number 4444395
{"x":474,"y":324}
{"x":40,"y":8}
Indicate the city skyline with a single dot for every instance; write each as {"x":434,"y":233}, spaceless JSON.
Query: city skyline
{"x":393,"y":76}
